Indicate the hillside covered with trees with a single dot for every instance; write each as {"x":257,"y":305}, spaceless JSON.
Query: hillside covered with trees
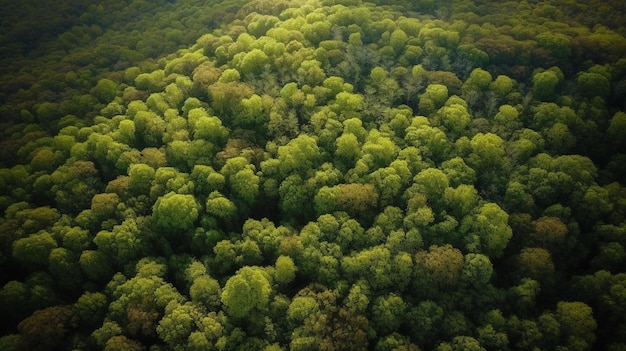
{"x":386,"y":175}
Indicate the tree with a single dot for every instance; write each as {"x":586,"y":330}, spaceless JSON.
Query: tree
{"x":479,"y":80}
{"x":74,"y":184}
{"x":461,"y":200}
{"x":544,"y":84}
{"x":388,"y":313}
{"x":220,"y":206}
{"x":47,"y":329}
{"x":125,"y":242}
{"x":210,"y":129}
{"x":431,"y":182}
{"x":300,"y":308}
{"x":502,"y":85}
{"x":611,"y":256}
{"x":105,"y":90}
{"x":35,"y":219}
{"x":550,"y":233}
{"x":441,"y":264}
{"x":592,"y":84}
{"x":96,"y":265}
{"x":506,"y":121}
{"x":149,"y":128}
{"x":431,"y":142}
{"x":358,"y":297}
{"x":266,"y":235}
{"x":285,"y":270}
{"x":170,"y":179}
{"x":310,"y":73}
{"x":523,"y":333}
{"x":348,"y":149}
{"x":226,"y":96}
{"x":548,"y":114}
{"x":488,"y":159}
{"x":577,"y":324}
{"x":616,"y":128}
{"x":354,"y":199}
{"x":465,"y":343}
{"x":246,"y":293}
{"x":477,"y":270}
{"x":458,"y":172}
{"x":121,"y":342}
{"x":490,"y":232}
{"x":140,"y":178}
{"x":559,"y":138}
{"x":437,"y":93}
{"x":174,"y":212}
{"x":138,"y":303}
{"x":178,"y":323}
{"x":295,"y":199}
{"x":105,"y":205}
{"x":150,"y":82}
{"x":487,"y":153}
{"x":455,"y":118}
{"x":253,"y":62}
{"x":15,"y":298}
{"x":381,"y":149}
{"x":44,"y":160}
{"x":91,"y":308}
{"x":64,"y":267}
{"x":205,"y":291}
{"x":301,"y":155}
{"x":12,"y":342}
{"x":427,"y":317}
{"x":535,"y":263}
{"x":375,"y":266}
{"x":105,"y":332}
{"x":327,"y":326}
{"x":242,"y":180}
{"x":206,"y":180}
{"x":395,"y":341}
{"x":34,"y":250}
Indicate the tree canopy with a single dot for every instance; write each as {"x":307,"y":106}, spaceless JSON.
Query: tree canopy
{"x":313,"y":175}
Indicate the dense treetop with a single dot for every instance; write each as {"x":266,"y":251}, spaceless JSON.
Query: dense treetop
{"x":313,"y":175}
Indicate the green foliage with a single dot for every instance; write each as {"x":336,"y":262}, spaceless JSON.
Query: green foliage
{"x":313,"y":175}
{"x":544,"y":84}
{"x":299,"y":155}
{"x":91,"y":307}
{"x":577,"y":324}
{"x":175,"y":212}
{"x":63,"y":265}
{"x":34,"y":249}
{"x":106,"y":90}
{"x":617,"y":127}
{"x":124,"y":243}
{"x":593,"y":84}
{"x":490,"y":232}
{"x":140,"y":178}
{"x":246,"y":292}
{"x":220,"y":206}
{"x":388,"y":313}
{"x":178,"y":323}
{"x":285,"y":270}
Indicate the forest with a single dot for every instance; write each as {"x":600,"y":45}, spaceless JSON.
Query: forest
{"x":384,"y":175}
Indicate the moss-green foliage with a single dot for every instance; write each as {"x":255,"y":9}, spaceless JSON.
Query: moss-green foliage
{"x":312,"y":174}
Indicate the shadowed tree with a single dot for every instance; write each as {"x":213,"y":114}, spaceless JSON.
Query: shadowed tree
{"x":577,"y":324}
{"x":47,"y":329}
